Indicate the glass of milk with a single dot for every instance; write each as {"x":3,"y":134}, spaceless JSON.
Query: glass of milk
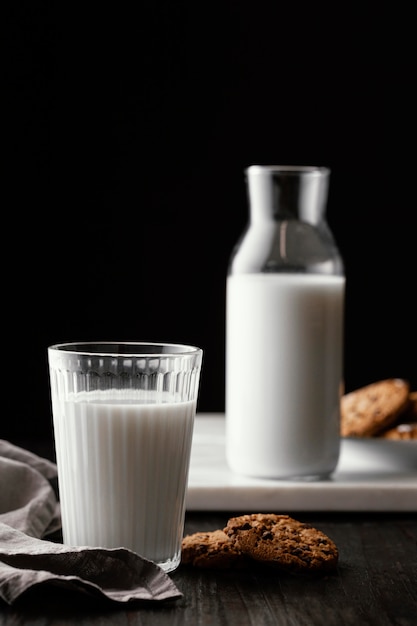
{"x":123,"y":416}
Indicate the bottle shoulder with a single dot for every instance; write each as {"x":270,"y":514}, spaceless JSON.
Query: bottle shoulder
{"x":286,"y":246}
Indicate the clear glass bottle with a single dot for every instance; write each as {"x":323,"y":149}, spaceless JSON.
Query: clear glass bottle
{"x":284,"y":330}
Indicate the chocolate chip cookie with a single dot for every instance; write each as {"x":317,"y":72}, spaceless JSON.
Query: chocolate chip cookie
{"x":371,"y":409}
{"x":406,"y":431}
{"x":282,"y":542}
{"x":212,"y":549}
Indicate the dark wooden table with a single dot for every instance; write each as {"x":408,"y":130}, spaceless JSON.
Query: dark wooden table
{"x":375,"y":584}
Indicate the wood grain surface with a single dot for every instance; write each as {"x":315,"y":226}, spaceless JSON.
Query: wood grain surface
{"x":375,"y":584}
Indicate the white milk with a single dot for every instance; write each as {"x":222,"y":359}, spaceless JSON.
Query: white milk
{"x":122,"y":471}
{"x":283,"y":374}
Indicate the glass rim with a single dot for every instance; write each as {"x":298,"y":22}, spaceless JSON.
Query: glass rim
{"x":134,"y":349}
{"x":288,"y":169}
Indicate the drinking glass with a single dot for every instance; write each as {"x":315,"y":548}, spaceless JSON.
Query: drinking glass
{"x":123,"y":416}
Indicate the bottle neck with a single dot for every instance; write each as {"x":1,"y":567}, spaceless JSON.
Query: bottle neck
{"x":278,"y":193}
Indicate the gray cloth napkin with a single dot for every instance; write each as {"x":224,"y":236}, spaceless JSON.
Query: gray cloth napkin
{"x":29,"y":512}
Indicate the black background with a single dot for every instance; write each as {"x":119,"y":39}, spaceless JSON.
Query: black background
{"x":126,"y":136}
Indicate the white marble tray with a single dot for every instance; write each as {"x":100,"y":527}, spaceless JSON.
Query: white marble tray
{"x":372,"y":475}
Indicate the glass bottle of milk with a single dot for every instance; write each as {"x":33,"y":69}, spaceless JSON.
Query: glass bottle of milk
{"x":284,"y":330}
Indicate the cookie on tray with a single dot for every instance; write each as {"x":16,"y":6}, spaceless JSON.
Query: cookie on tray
{"x":369,"y":410}
{"x":406,"y":431}
{"x":211,"y":549}
{"x":282,"y":542}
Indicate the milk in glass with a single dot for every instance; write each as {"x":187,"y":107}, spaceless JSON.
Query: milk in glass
{"x":123,"y":464}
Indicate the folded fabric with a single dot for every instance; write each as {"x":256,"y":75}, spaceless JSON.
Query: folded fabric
{"x":29,"y":512}
{"x":27,"y":499}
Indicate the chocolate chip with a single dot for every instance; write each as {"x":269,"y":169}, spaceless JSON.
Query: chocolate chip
{"x":267,"y":535}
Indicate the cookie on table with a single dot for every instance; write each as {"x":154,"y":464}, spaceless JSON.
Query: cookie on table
{"x":211,"y":549}
{"x":368,"y":410}
{"x":282,"y":542}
